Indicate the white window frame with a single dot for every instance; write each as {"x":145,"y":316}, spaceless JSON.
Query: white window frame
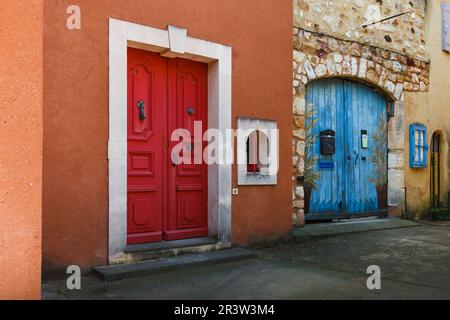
{"x":245,"y":128}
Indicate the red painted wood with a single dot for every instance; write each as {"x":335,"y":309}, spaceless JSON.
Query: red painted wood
{"x":252,"y":168}
{"x":165,"y":202}
{"x":147,"y":81}
{"x":187,"y":215}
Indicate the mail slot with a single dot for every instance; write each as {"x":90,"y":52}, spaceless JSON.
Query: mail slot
{"x":328,"y":142}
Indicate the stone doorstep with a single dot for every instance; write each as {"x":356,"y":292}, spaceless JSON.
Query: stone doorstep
{"x":351,"y":226}
{"x":166,"y":249}
{"x":442,"y":214}
{"x":167,"y":245}
{"x":437,"y":223}
{"x":120,"y":272}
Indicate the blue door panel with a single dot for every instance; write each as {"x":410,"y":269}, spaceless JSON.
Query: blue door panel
{"x":344,"y":186}
{"x":321,"y":98}
{"x":367,"y":106}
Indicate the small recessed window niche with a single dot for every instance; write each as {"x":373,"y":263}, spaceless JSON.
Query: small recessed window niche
{"x":257,"y":148}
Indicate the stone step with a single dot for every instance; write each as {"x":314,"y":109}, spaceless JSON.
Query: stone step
{"x":166,"y":249}
{"x":441,"y":214}
{"x":124,"y":271}
{"x":350,"y":226}
{"x":168,"y":245}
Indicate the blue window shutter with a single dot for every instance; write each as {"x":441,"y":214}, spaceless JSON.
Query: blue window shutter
{"x":418,"y":154}
{"x":412,"y":146}
{"x":446,"y":27}
{"x":424,"y":145}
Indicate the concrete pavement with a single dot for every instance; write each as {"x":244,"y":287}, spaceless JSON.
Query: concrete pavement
{"x":415,"y":264}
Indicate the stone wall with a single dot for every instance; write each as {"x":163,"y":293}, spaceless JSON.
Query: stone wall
{"x":344,"y":19}
{"x":320,"y":56}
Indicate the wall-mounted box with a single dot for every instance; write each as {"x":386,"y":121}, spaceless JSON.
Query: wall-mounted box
{"x":327,"y":142}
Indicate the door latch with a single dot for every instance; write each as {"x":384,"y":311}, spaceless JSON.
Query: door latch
{"x":141,"y":107}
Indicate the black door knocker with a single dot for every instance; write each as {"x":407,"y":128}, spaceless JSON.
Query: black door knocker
{"x":141,"y":107}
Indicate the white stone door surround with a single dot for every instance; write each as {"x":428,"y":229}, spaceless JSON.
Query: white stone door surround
{"x":172,"y":42}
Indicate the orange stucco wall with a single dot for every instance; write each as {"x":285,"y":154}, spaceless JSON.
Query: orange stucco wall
{"x":20,"y":148}
{"x":76,"y":112}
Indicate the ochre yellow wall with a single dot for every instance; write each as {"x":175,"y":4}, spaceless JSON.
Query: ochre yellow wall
{"x":431,"y":109}
{"x":20,"y":148}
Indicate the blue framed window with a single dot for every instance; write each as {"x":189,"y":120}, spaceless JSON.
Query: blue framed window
{"x":418,"y":157}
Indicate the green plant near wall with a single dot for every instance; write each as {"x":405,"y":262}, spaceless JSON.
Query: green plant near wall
{"x":378,"y":174}
{"x":311,"y":174}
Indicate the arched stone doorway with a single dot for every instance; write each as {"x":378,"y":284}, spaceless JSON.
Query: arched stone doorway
{"x":346,"y":150}
{"x":318,"y":56}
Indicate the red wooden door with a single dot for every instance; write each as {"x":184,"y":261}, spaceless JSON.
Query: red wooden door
{"x":165,"y":202}
{"x":147,"y":90}
{"x":187,"y":216}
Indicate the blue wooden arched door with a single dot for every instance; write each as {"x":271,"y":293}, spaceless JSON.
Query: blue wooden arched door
{"x":348,"y":178}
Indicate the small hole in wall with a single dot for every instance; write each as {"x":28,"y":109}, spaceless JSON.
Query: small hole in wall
{"x":257,"y":152}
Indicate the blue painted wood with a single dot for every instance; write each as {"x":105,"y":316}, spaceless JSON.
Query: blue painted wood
{"x":418,"y":154}
{"x":347,"y":108}
{"x":321,"y":97}
{"x":366,"y":107}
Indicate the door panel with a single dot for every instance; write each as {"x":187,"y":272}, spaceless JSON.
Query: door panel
{"x":322,"y":99}
{"x":187,"y":182}
{"x":435,"y":171}
{"x":344,"y":187}
{"x":365,"y":109}
{"x":165,"y":201}
{"x":147,"y":83}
